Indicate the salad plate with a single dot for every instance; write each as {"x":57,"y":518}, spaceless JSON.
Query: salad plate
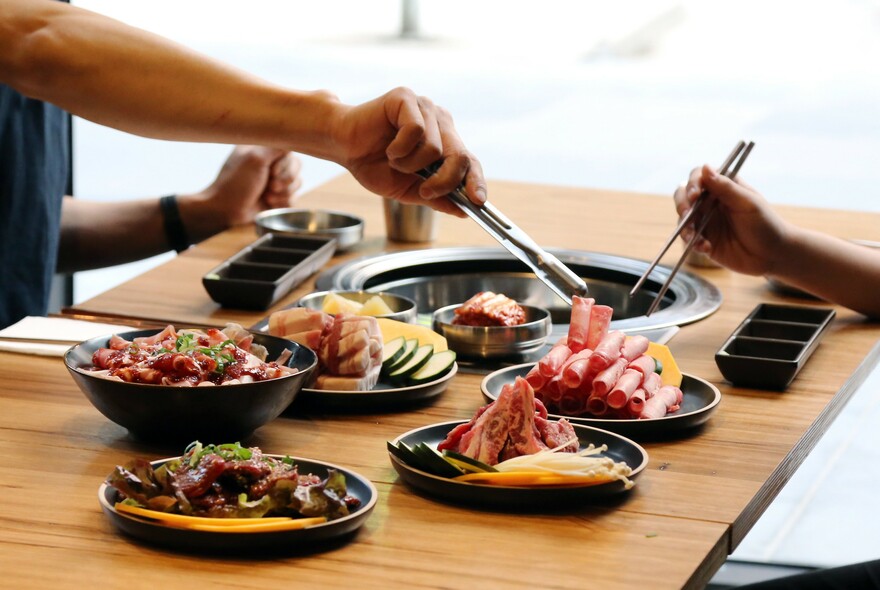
{"x":700,"y":401}
{"x":305,"y":539}
{"x":545,"y":498}
{"x":385,"y":395}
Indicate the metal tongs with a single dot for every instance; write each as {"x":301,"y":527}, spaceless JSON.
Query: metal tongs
{"x":703,"y":205}
{"x":546,"y":266}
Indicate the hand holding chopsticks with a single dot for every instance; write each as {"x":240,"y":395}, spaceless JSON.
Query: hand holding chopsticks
{"x":704,"y":206}
{"x":549,"y":269}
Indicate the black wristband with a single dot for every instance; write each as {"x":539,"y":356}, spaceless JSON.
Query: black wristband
{"x":175,"y":233}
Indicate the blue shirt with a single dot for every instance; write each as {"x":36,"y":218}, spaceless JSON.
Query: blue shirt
{"x":34,"y":168}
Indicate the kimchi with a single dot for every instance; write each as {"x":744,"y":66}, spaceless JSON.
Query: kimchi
{"x":489,"y":309}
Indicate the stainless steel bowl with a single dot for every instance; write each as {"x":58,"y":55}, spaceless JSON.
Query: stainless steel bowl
{"x":404,"y":308}
{"x":347,"y":229}
{"x":494,"y":341}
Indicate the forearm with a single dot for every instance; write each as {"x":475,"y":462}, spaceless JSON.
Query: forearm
{"x":129,"y":79}
{"x":831,"y":268}
{"x":128,"y":230}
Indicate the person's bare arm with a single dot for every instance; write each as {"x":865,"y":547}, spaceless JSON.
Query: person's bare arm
{"x":748,"y":236}
{"x":125,"y":231}
{"x":123,"y":77}
{"x":252,"y":179}
{"x":831,"y":268}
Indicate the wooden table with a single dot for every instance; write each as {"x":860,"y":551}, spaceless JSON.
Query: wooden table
{"x":698,"y":498}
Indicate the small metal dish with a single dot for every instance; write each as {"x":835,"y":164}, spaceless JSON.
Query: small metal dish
{"x":404,"y":308}
{"x":347,"y":229}
{"x":494,"y":341}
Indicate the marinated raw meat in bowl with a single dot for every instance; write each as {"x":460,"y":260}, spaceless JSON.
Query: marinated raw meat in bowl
{"x":170,"y":385}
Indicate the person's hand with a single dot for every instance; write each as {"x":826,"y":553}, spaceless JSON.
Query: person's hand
{"x":251,"y":180}
{"x":744,"y":233}
{"x":386,"y":140}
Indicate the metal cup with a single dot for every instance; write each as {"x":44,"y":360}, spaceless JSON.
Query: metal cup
{"x":405,"y":222}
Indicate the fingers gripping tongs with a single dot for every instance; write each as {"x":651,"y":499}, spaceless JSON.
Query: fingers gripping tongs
{"x":546,"y":266}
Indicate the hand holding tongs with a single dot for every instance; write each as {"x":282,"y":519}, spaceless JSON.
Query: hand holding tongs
{"x":546,"y":266}
{"x":704,"y":205}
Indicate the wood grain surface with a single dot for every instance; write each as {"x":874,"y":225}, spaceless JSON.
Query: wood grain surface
{"x":696,"y":501}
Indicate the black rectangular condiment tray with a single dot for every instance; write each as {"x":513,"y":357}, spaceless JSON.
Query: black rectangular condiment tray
{"x":267,"y":270}
{"x":769,"y":348}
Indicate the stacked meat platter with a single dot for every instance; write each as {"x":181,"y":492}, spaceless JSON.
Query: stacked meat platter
{"x":552,"y":432}
{"x":600,"y":377}
{"x":546,"y":434}
{"x":366,"y":361}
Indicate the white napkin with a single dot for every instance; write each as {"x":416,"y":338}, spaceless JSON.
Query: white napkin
{"x":51,"y":336}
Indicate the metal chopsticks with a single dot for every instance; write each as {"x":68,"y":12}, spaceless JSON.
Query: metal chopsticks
{"x":549,"y":269}
{"x":703,"y":204}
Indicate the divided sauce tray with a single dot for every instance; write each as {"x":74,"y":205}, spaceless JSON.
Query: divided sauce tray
{"x":769,"y":348}
{"x":267,"y":270}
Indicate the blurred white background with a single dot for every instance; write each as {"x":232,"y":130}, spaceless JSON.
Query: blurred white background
{"x":625,"y":95}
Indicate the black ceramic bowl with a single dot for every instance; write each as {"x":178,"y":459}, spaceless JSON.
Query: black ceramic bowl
{"x":179,"y":414}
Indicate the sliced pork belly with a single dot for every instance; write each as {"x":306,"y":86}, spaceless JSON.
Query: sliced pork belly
{"x":579,"y":326}
{"x":607,"y":351}
{"x":349,"y":347}
{"x":600,"y":319}
{"x":667,"y":399}
{"x":287,"y":323}
{"x":337,"y":383}
{"x":552,"y":362}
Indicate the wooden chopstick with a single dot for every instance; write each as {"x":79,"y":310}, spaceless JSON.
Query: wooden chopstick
{"x":738,"y":155}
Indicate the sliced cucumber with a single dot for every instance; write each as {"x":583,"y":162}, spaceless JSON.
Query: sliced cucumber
{"x":434,"y":462}
{"x":658,"y":366}
{"x":405,"y":454}
{"x":392,"y":351}
{"x":408,"y":351}
{"x":423,"y":355}
{"x":438,"y":365}
{"x":467,"y":463}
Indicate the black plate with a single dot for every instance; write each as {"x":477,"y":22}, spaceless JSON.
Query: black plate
{"x":383,"y":396}
{"x":519,"y":498}
{"x":293,"y":540}
{"x":700,"y":401}
{"x":267,"y":270}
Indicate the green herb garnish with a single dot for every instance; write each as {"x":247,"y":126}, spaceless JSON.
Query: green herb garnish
{"x":229,"y":451}
{"x":188,"y":344}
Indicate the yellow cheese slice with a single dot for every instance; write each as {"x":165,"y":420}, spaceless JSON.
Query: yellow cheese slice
{"x":392,"y":329}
